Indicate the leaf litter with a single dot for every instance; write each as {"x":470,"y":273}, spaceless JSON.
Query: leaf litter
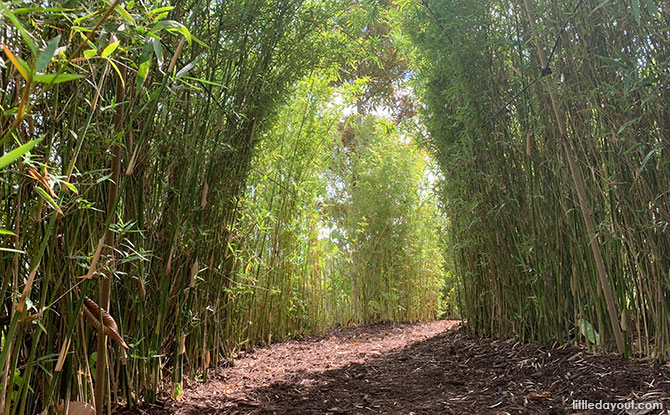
{"x":421,"y":368}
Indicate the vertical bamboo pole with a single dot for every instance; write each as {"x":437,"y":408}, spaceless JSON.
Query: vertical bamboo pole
{"x":106,"y":283}
{"x":580,"y":188}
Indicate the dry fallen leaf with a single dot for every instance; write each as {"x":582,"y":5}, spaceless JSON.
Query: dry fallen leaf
{"x":77,"y":408}
{"x":92,"y":313}
{"x":534,"y":395}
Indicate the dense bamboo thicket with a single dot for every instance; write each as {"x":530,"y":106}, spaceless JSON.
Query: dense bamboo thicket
{"x":168,"y":193}
{"x":389,"y":226}
{"x":337,"y":225}
{"x":520,"y":244}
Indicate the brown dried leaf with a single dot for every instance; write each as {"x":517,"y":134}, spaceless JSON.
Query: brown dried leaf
{"x":43,"y":181}
{"x":534,"y":395}
{"x":77,"y":408}
{"x":92,"y":313}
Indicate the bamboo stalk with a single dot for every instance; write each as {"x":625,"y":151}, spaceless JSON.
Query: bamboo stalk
{"x":581,"y":192}
{"x":106,"y":283}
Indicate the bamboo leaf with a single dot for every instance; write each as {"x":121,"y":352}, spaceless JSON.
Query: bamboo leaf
{"x":602,"y":3}
{"x":47,"y":54}
{"x":48,"y":199}
{"x":43,"y":181}
{"x":26,"y":10}
{"x":158,"y":50}
{"x":13,"y":155}
{"x":6,"y":232}
{"x":183,"y":71}
{"x":18,"y":63}
{"x":110,"y":49}
{"x":647,"y":158}
{"x":145,"y":62}
{"x":160,"y":10}
{"x":124,"y":14}
{"x":589,"y":332}
{"x":172,"y":26}
{"x":636,"y":10}
{"x":118,"y":73}
{"x":56,"y":78}
{"x":71,"y":187}
{"x":653,"y":92}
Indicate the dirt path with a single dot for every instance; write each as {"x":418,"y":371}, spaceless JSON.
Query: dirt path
{"x":428,"y":368}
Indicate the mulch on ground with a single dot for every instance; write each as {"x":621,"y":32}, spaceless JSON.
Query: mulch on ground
{"x":423,"y":368}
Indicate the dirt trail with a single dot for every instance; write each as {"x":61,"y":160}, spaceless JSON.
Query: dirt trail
{"x":426,"y":368}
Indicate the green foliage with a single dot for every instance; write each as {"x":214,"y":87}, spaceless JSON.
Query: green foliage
{"x":283,"y":261}
{"x":149,"y":116}
{"x":518,"y":244}
{"x":394,"y":251}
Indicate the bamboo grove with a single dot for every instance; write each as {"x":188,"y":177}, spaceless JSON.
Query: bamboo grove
{"x":178,"y":184}
{"x":182,"y":181}
{"x":601,"y":104}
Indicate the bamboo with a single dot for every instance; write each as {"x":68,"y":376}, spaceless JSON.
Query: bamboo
{"x":581,"y":192}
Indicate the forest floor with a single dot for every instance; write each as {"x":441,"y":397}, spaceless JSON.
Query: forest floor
{"x":423,"y":368}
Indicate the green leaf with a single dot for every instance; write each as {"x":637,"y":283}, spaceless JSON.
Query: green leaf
{"x":653,"y":92}
{"x":89,"y":53}
{"x":172,"y":26}
{"x":52,"y":78}
{"x":647,"y":158}
{"x":72,"y":188}
{"x":177,"y":391}
{"x":614,"y":62}
{"x":47,"y":197}
{"x":636,"y":10}
{"x":147,"y":49}
{"x":142,"y":73}
{"x":588,"y":331}
{"x":6,"y":232}
{"x":160,"y":10}
{"x":145,"y":62}
{"x":110,"y":49}
{"x":118,"y":73}
{"x":92,"y":360}
{"x":124,"y":13}
{"x":628,"y":124}
{"x":183,"y":71}
{"x":158,"y":50}
{"x":13,"y":155}
{"x":160,"y":16}
{"x":47,"y":54}
{"x":28,"y":10}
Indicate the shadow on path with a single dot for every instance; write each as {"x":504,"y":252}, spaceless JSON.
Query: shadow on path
{"x":450,"y":372}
